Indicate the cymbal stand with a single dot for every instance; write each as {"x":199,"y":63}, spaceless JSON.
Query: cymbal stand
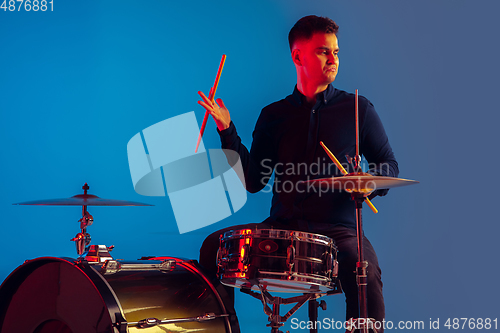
{"x":82,"y":239}
{"x":363,"y":322}
{"x":277,"y":321}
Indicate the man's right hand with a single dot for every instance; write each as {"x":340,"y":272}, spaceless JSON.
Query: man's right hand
{"x":219,"y":113}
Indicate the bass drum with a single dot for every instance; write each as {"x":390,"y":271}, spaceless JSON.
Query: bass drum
{"x":62,"y":295}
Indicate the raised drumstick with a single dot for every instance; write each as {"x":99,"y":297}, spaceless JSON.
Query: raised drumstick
{"x":344,"y":172}
{"x":211,"y":97}
{"x":202,"y":129}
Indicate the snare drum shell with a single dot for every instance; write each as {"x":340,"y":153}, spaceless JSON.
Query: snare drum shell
{"x":280,"y":260}
{"x":48,"y":295}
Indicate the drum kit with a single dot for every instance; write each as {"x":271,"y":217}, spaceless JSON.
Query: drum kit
{"x":97,"y":293}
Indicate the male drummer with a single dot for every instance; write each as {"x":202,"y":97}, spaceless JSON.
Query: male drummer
{"x":286,"y":140}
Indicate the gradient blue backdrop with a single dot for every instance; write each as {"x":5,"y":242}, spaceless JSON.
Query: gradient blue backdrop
{"x":77,"y":83}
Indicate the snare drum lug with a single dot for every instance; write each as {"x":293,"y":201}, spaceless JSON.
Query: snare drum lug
{"x":245,"y":254}
{"x":290,"y":260}
{"x":222,"y":258}
{"x":328,"y":263}
{"x":290,"y":256}
{"x":219,"y":259}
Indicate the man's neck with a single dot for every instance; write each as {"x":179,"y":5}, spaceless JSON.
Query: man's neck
{"x":310,"y":91}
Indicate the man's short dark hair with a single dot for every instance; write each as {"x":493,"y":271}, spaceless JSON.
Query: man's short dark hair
{"x":308,"y":25}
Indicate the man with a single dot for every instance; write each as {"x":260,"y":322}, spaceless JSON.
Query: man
{"x":286,"y":138}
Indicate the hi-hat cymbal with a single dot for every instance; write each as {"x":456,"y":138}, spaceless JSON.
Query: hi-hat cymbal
{"x":363,"y":183}
{"x":82,"y":200}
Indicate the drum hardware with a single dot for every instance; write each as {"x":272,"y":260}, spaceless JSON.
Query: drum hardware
{"x":276,"y":320}
{"x":245,"y":254}
{"x":113,"y":266}
{"x":354,"y":324}
{"x":151,"y":322}
{"x":290,"y":258}
{"x":98,"y":253}
{"x":82,"y":239}
{"x":313,"y":312}
{"x":360,"y":185}
{"x":361,"y":265}
{"x":330,"y":268}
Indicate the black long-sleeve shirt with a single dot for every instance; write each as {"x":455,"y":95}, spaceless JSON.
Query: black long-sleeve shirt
{"x":286,"y":140}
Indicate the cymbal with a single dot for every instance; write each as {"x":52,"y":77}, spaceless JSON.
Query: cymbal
{"x":362,"y":182}
{"x":82,"y":200}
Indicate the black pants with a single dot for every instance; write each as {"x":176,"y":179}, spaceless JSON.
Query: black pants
{"x":346,"y":242}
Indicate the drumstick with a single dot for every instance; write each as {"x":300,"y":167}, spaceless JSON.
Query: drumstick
{"x":202,"y":129}
{"x":211,"y":97}
{"x":357,"y":128}
{"x":344,"y":172}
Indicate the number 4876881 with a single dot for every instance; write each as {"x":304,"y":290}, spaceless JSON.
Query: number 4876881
{"x":27,"y":5}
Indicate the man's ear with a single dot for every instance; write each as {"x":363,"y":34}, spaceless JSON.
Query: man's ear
{"x":297,"y":57}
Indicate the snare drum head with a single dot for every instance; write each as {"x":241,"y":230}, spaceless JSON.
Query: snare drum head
{"x":278,"y":260}
{"x":50,"y":295}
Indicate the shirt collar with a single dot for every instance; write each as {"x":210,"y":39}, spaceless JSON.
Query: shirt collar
{"x":324,"y":96}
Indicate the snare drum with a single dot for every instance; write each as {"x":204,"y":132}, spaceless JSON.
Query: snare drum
{"x":48,"y":295}
{"x":278,"y":260}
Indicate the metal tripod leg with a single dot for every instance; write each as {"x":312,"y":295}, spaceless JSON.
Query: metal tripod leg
{"x":277,"y":321}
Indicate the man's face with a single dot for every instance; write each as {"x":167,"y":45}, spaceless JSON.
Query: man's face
{"x":319,"y":61}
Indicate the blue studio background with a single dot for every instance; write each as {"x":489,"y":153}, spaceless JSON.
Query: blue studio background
{"x":78,"y":82}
